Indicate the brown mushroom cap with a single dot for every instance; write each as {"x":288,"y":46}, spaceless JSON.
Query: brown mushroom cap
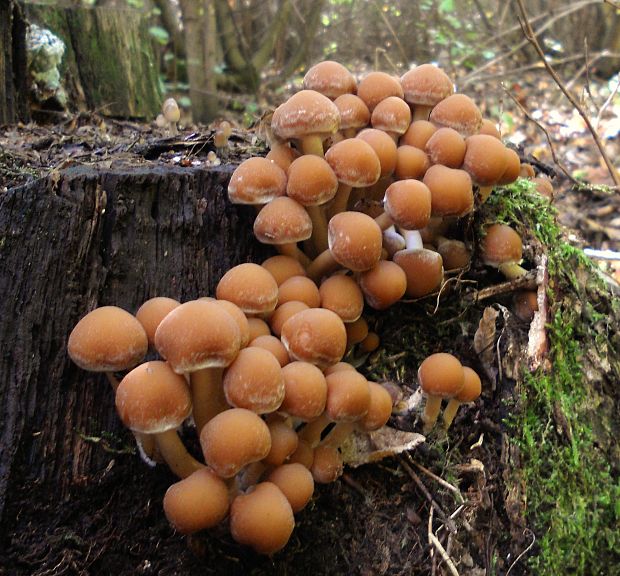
{"x":305,"y":391}
{"x":327,"y":465}
{"x":282,"y":155}
{"x":305,"y":113}
{"x":441,"y":375}
{"x":273,"y":345}
{"x":256,"y":181}
{"x":299,"y":289}
{"x":411,"y":162}
{"x":384,"y":147}
{"x":451,"y":191}
{"x":377,"y":86}
{"x":383,"y":285}
{"x":485,"y":159}
{"x":379,"y":409}
{"x":544,"y":187}
{"x":198,"y":334}
{"x":315,"y":335}
{"x":282,"y":221}
{"x":254,"y":381}
{"x":342,"y":365}
{"x":282,"y":267}
{"x":489,"y":127}
{"x":354,"y":162}
{"x":284,"y":442}
{"x":283,"y":312}
{"x":331,"y":79}
{"x":107,"y":339}
{"x":250,"y":287}
{"x":472,"y":386}
{"x":418,"y":134}
{"x":354,"y":113}
{"x":426,"y":85}
{"x":341,"y":294}
{"x":459,"y":112}
{"x":424,"y":271}
{"x":455,"y":254}
{"x":262,"y":519}
{"x":391,"y":115}
{"x":513,"y":167}
{"x":258,"y":327}
{"x":296,"y":482}
{"x":311,"y":181}
{"x":446,"y":146}
{"x":197,"y":502}
{"x":348,"y":396}
{"x":355,"y":240}
{"x":501,"y":245}
{"x":240,"y":318}
{"x":408,"y":204}
{"x":233,"y":439}
{"x":356,"y":332}
{"x":152,"y":312}
{"x":304,"y":455}
{"x":152,"y":398}
{"x":525,"y":303}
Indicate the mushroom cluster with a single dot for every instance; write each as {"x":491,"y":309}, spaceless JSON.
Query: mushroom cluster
{"x":359,"y":192}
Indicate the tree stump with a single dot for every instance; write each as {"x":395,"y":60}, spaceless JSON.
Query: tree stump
{"x":109,"y":65}
{"x":82,"y":239}
{"x":13,"y":97}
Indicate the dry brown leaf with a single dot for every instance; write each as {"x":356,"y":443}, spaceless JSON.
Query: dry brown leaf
{"x":362,"y":448}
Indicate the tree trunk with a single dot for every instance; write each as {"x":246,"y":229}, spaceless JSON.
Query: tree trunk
{"x":81,"y":239}
{"x":13,"y":89}
{"x":109,"y":64}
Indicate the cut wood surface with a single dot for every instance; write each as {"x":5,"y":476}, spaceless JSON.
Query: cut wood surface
{"x":77,"y":240}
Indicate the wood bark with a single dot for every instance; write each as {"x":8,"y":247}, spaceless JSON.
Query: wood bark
{"x":109,"y":65}
{"x":13,"y":90}
{"x":81,"y":239}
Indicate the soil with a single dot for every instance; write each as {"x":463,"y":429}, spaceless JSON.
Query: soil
{"x":373,"y":521}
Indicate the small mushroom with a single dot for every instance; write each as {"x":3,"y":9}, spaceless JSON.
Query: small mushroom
{"x":172,"y":114}
{"x":471,"y":390}
{"x":502,"y":248}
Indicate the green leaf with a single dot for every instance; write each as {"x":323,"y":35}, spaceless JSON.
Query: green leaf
{"x":446,"y":6}
{"x":160,"y":34}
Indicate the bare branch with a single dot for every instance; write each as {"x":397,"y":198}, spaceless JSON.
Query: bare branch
{"x":531,"y":38}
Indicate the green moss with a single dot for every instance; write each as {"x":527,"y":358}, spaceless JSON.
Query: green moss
{"x":572,"y":491}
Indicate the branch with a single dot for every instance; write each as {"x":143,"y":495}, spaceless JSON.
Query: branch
{"x":549,"y":141}
{"x":265,"y":51}
{"x":531,"y":37}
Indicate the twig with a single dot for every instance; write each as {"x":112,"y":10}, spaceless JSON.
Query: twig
{"x":403,"y":52}
{"x":527,"y":282}
{"x":549,"y":141}
{"x":440,"y":480}
{"x":531,"y":37}
{"x":524,"y":551}
{"x":437,"y":544}
{"x":606,"y":104}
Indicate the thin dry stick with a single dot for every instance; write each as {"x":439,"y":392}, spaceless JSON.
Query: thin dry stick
{"x":439,"y":480}
{"x":549,"y":141}
{"x":437,"y":544}
{"x":403,"y":52}
{"x":524,"y":551}
{"x":531,"y":37}
{"x":606,"y":104}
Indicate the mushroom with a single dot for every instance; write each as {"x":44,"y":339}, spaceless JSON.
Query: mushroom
{"x":418,"y":134}
{"x":282,"y":267}
{"x":486,"y":161}
{"x":446,"y":146}
{"x":200,"y":338}
{"x":423,"y":267}
{"x":256,"y":181}
{"x":284,"y":442}
{"x":501,"y":248}
{"x":172,"y":114}
{"x":307,"y":116}
{"x":354,"y":240}
{"x":370,"y":343}
{"x":451,"y":191}
{"x":296,"y":483}
{"x":441,"y":376}
{"x":377,"y":86}
{"x":273,"y":345}
{"x":153,"y":399}
{"x":262,"y":518}
{"x":424,"y":87}
{"x":197,"y":502}
{"x":383,"y":285}
{"x":327,"y":465}
{"x":305,"y":391}
{"x":283,"y":222}
{"x":407,"y":205}
{"x":356,"y":332}
{"x":470,"y":391}
{"x":299,"y":289}
{"x":459,"y":112}
{"x":341,"y":294}
{"x":411,"y":162}
{"x":249,"y":286}
{"x":152,"y":312}
{"x":354,"y":115}
{"x":233,"y":439}
{"x":283,"y":312}
{"x":525,"y":304}
{"x":392,"y":115}
{"x":331,"y":79}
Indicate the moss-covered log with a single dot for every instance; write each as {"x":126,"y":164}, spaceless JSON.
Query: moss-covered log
{"x":109,"y":64}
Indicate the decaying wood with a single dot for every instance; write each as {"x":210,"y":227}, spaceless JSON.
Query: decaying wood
{"x":77,"y":240}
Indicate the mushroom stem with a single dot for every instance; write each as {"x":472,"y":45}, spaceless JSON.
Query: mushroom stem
{"x":293,"y":251}
{"x":322,"y":265}
{"x":431,"y":412}
{"x":413,"y":239}
{"x":174,"y":453}
{"x":421,"y":112}
{"x":319,"y":227}
{"x":147,"y":446}
{"x":341,"y":199}
{"x":450,"y":412}
{"x":512,"y":270}
{"x":484,"y":192}
{"x":312,"y":144}
{"x":311,"y":432}
{"x":208,"y":398}
{"x":384,"y":221}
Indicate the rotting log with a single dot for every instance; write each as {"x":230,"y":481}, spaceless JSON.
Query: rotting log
{"x":77,"y":240}
{"x":12,"y":63}
{"x":109,"y":64}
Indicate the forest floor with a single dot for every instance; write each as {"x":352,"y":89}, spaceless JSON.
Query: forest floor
{"x":460,"y":489}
